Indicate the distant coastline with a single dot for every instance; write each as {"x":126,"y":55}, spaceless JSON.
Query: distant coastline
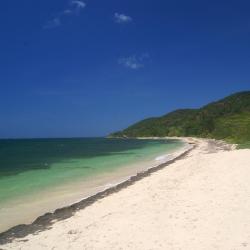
{"x":226,"y":119}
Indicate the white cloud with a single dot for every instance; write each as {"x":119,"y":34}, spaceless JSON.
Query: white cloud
{"x":131,"y":62}
{"x":67,"y":12}
{"x":53,"y":23}
{"x":75,"y":7}
{"x":79,"y":4}
{"x":121,"y":18}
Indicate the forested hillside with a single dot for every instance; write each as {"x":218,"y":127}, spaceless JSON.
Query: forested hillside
{"x":227,"y":119}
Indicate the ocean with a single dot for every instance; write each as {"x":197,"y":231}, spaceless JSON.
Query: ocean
{"x":40,"y":175}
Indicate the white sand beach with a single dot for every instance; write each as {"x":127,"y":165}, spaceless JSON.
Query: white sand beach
{"x":199,"y":202}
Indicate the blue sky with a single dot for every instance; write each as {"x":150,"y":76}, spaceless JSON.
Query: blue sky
{"x":87,"y":68}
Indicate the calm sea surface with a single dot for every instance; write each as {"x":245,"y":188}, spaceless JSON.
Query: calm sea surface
{"x":28,"y":167}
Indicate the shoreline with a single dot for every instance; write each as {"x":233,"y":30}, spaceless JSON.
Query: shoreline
{"x":28,"y":207}
{"x":45,"y":221}
{"x":200,"y":200}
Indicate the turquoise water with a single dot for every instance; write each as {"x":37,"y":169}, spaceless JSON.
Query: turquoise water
{"x":29,"y":166}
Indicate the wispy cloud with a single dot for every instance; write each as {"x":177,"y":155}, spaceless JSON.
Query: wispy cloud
{"x":122,"y":18}
{"x":52,"y":23}
{"x":75,"y":8}
{"x":134,"y":62}
{"x":78,"y":6}
{"x":67,"y":12}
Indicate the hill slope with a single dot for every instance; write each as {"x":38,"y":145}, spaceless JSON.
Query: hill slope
{"x":227,"y":119}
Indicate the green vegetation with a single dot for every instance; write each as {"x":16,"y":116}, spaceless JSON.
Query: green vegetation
{"x":244,"y":145}
{"x":227,"y":119}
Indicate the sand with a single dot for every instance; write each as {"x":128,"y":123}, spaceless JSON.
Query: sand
{"x":199,"y":202}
